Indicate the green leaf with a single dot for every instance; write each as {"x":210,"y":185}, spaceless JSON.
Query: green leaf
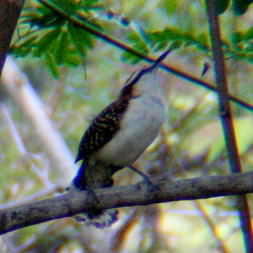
{"x":175,"y":38}
{"x":80,"y":39}
{"x":51,"y":64}
{"x":236,"y":38}
{"x":23,"y":47}
{"x":202,"y":42}
{"x":249,"y":58}
{"x":248,"y":35}
{"x":68,"y":6}
{"x":52,"y":36}
{"x":161,"y":39}
{"x":61,"y":47}
{"x":171,"y":6}
{"x":221,"y":6}
{"x":45,"y":41}
{"x":138,"y":43}
{"x":89,"y":4}
{"x":73,"y":59}
{"x":241,"y":6}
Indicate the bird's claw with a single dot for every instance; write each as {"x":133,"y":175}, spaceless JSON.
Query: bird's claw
{"x":92,"y":195}
{"x":151,"y":187}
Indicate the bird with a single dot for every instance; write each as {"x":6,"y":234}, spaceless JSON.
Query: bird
{"x":118,"y":135}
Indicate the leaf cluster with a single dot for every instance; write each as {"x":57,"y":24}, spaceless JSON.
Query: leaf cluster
{"x":51,"y":34}
{"x":44,"y":33}
{"x":239,"y":7}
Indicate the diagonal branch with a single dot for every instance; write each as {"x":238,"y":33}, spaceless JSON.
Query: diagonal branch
{"x":227,"y":119}
{"x":221,"y":245}
{"x":80,"y":22}
{"x":21,"y":90}
{"x":74,"y":202}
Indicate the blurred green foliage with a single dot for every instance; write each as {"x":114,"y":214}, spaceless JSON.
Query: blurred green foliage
{"x":85,"y":74}
{"x":45,"y":32}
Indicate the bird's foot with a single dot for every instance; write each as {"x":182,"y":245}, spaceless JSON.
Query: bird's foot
{"x":150,"y":185}
{"x":85,"y":217}
{"x":92,"y":195}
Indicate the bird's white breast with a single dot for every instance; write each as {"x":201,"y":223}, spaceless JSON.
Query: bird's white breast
{"x":139,"y":127}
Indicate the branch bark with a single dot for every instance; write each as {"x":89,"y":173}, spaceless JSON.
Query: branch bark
{"x":227,"y":121}
{"x":74,"y":202}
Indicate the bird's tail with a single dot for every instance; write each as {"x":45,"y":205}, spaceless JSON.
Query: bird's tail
{"x":98,"y":218}
{"x":95,"y":217}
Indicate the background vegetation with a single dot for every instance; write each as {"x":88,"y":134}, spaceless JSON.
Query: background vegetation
{"x":76,"y":74}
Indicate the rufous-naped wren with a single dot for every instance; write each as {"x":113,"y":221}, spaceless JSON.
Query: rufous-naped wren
{"x":118,"y":135}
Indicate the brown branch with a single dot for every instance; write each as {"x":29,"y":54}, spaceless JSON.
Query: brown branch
{"x":74,"y":202}
{"x":227,"y":119}
{"x":9,"y":13}
{"x":80,"y":22}
{"x":221,"y":245}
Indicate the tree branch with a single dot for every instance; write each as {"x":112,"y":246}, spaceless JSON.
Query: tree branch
{"x":9,"y":13}
{"x":80,"y":22}
{"x":227,"y":119}
{"x":74,"y":202}
{"x":21,"y":90}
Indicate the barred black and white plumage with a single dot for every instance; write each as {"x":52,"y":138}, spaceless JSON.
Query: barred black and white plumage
{"x":119,"y":135}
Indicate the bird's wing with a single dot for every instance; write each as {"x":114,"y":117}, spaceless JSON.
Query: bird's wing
{"x":102,"y":129}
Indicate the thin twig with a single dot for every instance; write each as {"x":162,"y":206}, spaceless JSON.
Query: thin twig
{"x":227,"y":119}
{"x":20,"y":89}
{"x":13,"y":129}
{"x":212,"y":227}
{"x":92,"y":29}
{"x":42,"y":175}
